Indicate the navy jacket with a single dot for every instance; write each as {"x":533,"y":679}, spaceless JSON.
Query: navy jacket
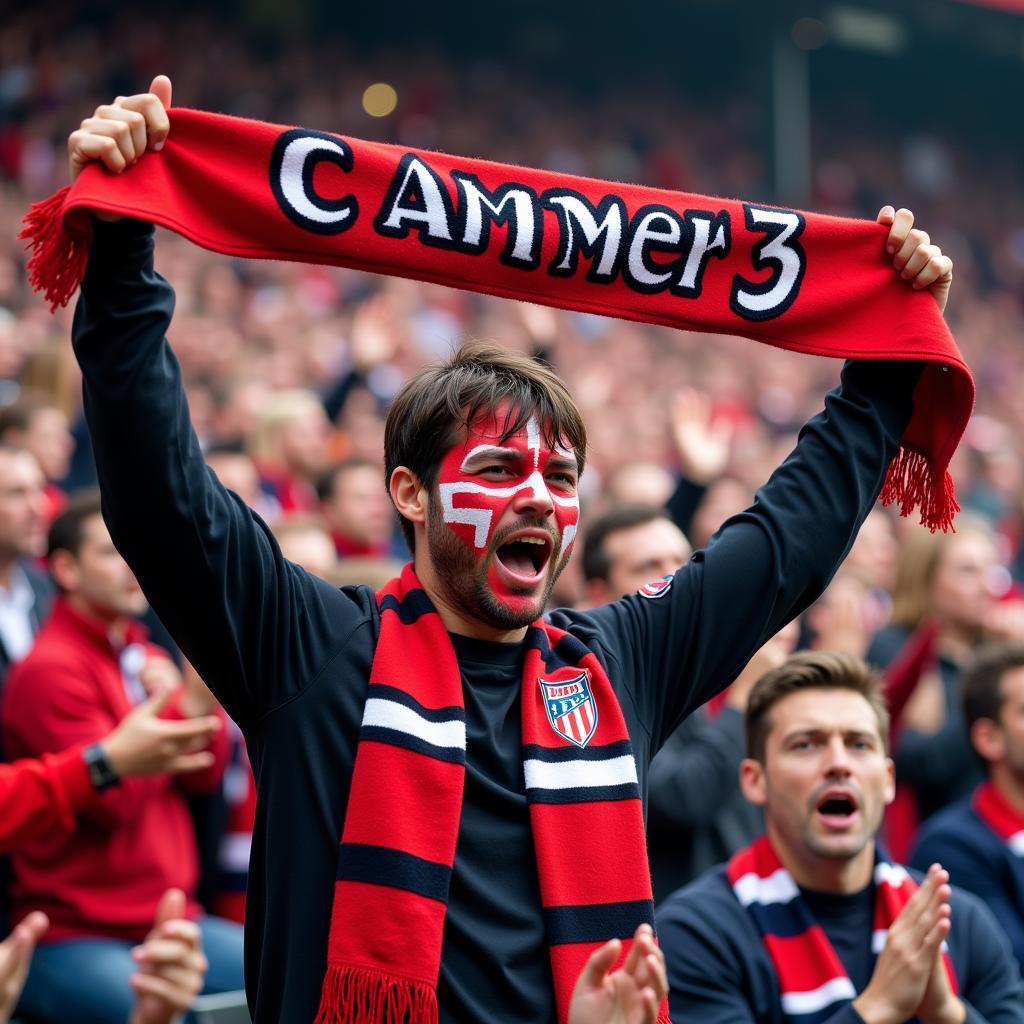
{"x":977,"y":860}
{"x":719,"y":971}
{"x":289,"y":656}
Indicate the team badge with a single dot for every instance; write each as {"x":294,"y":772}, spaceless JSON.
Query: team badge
{"x":656,"y":588}
{"x":570,"y":705}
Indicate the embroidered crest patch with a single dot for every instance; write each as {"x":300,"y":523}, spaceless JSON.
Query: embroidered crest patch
{"x":656,"y":588}
{"x":570,"y":705}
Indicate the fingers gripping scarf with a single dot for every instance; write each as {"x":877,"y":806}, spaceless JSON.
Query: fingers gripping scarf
{"x":405,"y":802}
{"x":813,"y":983}
{"x":801,"y":281}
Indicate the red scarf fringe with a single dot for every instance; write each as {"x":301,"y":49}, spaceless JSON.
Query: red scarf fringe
{"x":58,"y":257}
{"x":913,"y":482}
{"x":356,"y":995}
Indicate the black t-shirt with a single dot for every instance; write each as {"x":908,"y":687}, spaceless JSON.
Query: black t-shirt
{"x":289,"y":656}
{"x":847,"y":919}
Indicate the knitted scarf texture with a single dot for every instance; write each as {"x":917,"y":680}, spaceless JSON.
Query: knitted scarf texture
{"x":801,"y":281}
{"x":813,"y":983}
{"x":398,"y":842}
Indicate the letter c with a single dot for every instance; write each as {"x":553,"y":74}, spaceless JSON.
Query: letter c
{"x":293,"y":162}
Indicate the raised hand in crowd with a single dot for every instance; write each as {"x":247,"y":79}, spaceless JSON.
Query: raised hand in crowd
{"x":171,"y":964}
{"x":15,"y":956}
{"x":145,"y":744}
{"x":702,"y":443}
{"x":629,"y":995}
{"x":909,"y":979}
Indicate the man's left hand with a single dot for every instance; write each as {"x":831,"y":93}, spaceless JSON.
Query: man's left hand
{"x":15,"y":957}
{"x":919,"y":262}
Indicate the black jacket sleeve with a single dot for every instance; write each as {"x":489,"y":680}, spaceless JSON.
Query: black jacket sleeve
{"x":678,"y":648}
{"x":257,"y":627}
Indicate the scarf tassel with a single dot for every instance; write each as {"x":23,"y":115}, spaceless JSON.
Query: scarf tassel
{"x":59,"y":256}
{"x":355,"y":995}
{"x":913,"y":482}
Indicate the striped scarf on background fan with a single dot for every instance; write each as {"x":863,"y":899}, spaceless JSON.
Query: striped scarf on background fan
{"x":1000,"y":816}
{"x":813,"y":983}
{"x":398,"y":842}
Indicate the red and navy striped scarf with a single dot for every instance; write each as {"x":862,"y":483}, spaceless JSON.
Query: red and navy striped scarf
{"x":398,"y":841}
{"x":1000,"y":816}
{"x":813,"y":983}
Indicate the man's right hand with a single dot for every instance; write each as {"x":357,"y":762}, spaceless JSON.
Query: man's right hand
{"x":905,"y":965}
{"x":145,"y":744}
{"x":119,"y":133}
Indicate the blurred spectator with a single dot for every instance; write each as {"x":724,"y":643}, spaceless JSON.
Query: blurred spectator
{"x":842,"y":618}
{"x":45,"y":796}
{"x":42,"y":429}
{"x":305,"y":541}
{"x":945,"y":580}
{"x":980,"y":841}
{"x":24,"y":590}
{"x":628,"y":547}
{"x":170,"y":964}
{"x":101,"y":886}
{"x":357,"y":510}
{"x":237,"y":471}
{"x":289,"y":447}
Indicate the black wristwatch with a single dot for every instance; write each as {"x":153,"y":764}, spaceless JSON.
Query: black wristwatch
{"x":101,"y":772}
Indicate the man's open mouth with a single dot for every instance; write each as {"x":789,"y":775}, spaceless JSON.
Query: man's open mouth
{"x":837,"y":807}
{"x":525,"y":555}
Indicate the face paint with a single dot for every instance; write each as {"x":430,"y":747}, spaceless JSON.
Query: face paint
{"x":493,"y":491}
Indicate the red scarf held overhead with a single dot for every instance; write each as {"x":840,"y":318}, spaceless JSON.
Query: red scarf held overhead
{"x":405,"y":802}
{"x":802,"y":281}
{"x":1001,"y":817}
{"x":813,"y":983}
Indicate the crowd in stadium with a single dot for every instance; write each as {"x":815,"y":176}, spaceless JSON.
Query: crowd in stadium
{"x":290,"y":369}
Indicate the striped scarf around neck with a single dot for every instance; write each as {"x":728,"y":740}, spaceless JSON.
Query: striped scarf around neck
{"x":398,"y":843}
{"x":1000,"y":816}
{"x":813,"y":983}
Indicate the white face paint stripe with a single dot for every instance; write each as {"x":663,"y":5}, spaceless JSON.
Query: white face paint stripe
{"x":533,"y":440}
{"x":480,"y":518}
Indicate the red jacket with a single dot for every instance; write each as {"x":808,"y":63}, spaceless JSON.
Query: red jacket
{"x":137,"y":839}
{"x":41,"y":797}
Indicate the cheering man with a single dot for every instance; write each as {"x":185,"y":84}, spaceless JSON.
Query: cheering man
{"x":483,"y":767}
{"x":811,"y":924}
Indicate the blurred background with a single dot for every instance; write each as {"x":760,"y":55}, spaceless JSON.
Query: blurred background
{"x":830,"y":106}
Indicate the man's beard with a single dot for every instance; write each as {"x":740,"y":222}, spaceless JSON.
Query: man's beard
{"x":462,"y":576}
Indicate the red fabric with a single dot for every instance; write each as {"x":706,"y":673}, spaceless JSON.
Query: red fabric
{"x":236,"y":842}
{"x":405,"y":802}
{"x":915,"y":658}
{"x":999,"y":814}
{"x":136,"y":840}
{"x":40,"y":797}
{"x":812,"y":979}
{"x":230,"y":185}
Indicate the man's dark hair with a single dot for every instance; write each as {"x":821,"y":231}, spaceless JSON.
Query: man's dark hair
{"x":981,"y":690}
{"x":597,"y":564}
{"x":812,"y":670}
{"x":429,"y":413}
{"x":67,"y":531}
{"x":327,"y":485}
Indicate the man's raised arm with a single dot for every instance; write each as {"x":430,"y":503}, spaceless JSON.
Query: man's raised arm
{"x":256,"y":627}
